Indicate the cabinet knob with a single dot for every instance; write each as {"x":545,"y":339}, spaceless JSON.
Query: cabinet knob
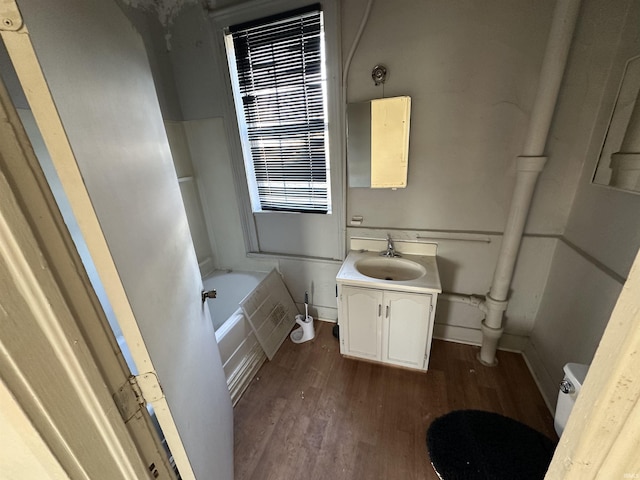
{"x":379,"y":309}
{"x":387,"y":313}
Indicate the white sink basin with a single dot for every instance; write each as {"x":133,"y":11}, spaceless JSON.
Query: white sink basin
{"x":387,"y":268}
{"x":409,"y":273}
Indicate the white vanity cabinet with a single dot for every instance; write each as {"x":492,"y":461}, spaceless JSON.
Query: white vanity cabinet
{"x":387,"y":326}
{"x":387,"y":303}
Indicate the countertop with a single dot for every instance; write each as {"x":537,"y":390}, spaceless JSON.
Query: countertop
{"x":427,"y":283}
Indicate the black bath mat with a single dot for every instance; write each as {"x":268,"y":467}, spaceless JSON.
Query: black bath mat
{"x":477,"y":445}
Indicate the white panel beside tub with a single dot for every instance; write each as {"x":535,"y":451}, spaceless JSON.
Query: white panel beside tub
{"x":271,"y":312}
{"x":190,"y":195}
{"x":242,"y":356}
{"x":197,"y":227}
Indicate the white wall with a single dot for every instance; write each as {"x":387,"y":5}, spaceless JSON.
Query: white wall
{"x":201,"y":87}
{"x":604,"y":222}
{"x":212,"y":161}
{"x":158,"y":44}
{"x":153,"y":34}
{"x":212,"y":167}
{"x":471,"y":69}
{"x":602,"y":233}
{"x":471,"y":72}
{"x":572,"y":317}
{"x":467,"y":267}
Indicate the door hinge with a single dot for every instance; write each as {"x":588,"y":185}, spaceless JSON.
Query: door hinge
{"x":136,"y":392}
{"x":149,"y":386}
{"x":10,"y":18}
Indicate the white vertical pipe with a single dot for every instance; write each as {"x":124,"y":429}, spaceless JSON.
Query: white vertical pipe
{"x":625,"y":164}
{"x":555,"y":59}
{"x":530,"y":164}
{"x":354,"y":46}
{"x":527,"y":174}
{"x":345,"y":78}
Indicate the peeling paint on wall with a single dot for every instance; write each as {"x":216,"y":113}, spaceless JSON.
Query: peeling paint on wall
{"x":166,"y":10}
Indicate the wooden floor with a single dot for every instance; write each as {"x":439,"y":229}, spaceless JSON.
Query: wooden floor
{"x":311,"y":414}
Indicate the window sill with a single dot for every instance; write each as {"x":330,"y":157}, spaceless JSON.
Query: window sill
{"x":287,"y":212}
{"x":284,"y":256}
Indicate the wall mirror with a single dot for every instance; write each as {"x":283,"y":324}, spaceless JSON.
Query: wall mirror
{"x":619,"y":162}
{"x":378,"y":142}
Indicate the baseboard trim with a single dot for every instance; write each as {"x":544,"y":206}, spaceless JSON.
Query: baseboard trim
{"x":327,"y":314}
{"x":509,"y":343}
{"x":472,"y":336}
{"x":327,"y":320}
{"x":535,"y":366}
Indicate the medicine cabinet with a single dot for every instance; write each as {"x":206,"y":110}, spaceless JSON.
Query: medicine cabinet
{"x":619,"y":163}
{"x":378,"y":142}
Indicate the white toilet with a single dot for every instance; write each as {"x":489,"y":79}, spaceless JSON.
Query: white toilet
{"x":574,"y":374}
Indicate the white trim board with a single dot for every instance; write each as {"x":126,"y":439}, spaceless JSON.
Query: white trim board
{"x":472,"y":336}
{"x":408,"y":247}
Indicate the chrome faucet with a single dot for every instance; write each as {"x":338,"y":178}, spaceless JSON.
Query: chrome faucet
{"x":391,"y":251}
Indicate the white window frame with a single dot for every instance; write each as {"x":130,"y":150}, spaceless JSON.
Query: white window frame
{"x":252,"y":181}
{"x":248,"y":11}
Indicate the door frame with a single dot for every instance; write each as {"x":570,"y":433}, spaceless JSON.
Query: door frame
{"x":69,"y":367}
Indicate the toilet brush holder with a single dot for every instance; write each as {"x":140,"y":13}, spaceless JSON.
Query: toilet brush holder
{"x":305,"y":331}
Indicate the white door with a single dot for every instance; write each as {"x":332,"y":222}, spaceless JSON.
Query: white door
{"x":87,"y":78}
{"x":361,"y":308}
{"x":405,"y":328}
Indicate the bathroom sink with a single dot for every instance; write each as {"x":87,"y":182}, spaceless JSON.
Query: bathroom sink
{"x":387,"y":268}
{"x":413,"y":272}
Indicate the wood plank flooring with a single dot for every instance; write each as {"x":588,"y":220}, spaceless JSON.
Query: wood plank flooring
{"x":311,"y":414}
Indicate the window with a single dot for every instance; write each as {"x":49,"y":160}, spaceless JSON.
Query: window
{"x":277,"y":68}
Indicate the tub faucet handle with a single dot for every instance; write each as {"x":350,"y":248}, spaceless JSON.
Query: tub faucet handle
{"x":208,"y":294}
{"x":566,"y":386}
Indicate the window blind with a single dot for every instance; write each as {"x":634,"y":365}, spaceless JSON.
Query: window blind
{"x":282,"y":87}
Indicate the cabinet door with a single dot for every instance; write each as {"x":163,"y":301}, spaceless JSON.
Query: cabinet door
{"x":362,"y":322}
{"x":405,"y":329}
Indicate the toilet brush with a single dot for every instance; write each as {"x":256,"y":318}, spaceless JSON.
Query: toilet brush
{"x":306,"y":305}
{"x":305,"y":331}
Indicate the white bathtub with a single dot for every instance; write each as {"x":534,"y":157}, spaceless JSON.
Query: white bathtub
{"x":241,"y":353}
{"x":232,"y":287}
